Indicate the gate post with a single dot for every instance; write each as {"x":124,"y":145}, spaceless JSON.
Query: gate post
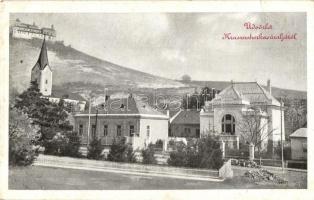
{"x":222,"y":147}
{"x":251,"y":151}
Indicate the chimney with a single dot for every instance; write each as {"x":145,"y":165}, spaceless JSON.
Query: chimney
{"x":269,"y":86}
{"x":52,"y":27}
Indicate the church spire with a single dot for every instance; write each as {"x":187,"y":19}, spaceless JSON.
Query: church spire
{"x":43,"y":57}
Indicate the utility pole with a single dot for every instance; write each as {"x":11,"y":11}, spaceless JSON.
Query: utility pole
{"x":187,"y":101}
{"x":95,"y":134}
{"x":88,"y":130}
{"x":281,"y":138}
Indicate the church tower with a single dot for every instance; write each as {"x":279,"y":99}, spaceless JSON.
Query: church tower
{"x":42,"y":73}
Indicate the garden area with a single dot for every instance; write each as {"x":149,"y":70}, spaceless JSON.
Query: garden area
{"x":37,"y":125}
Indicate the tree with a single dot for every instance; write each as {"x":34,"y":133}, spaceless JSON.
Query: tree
{"x":295,"y":114}
{"x":121,"y":152}
{"x":186,"y":78}
{"x":254,"y":127}
{"x":95,"y":149}
{"x":22,"y":137}
{"x":204,"y":152}
{"x":197,"y":100}
{"x":148,"y":155}
{"x":49,"y":117}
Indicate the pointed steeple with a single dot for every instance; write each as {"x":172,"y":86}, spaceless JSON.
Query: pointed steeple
{"x":43,"y":57}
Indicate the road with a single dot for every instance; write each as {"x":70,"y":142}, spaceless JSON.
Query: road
{"x":47,"y":178}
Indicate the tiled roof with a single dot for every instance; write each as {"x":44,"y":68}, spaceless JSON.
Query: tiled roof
{"x":251,"y":92}
{"x":301,"y":132}
{"x":42,"y":61}
{"x":130,"y":105}
{"x":187,"y":117}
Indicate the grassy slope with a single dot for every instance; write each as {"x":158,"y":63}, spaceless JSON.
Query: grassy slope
{"x":77,"y":72}
{"x":70,"y":65}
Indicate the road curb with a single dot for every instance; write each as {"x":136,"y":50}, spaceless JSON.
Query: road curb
{"x":133,"y":172}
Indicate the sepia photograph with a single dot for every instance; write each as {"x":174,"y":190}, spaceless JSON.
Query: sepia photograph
{"x":157,"y":101}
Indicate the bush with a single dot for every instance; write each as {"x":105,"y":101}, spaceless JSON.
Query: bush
{"x":202,"y":153}
{"x":63,"y":144}
{"x":22,"y":136}
{"x":242,"y":152}
{"x":121,"y":152}
{"x":95,"y":149}
{"x":148,"y":155}
{"x":286,"y":151}
{"x":73,"y":147}
{"x":178,"y":157}
{"x":159,"y":144}
{"x":57,"y":145}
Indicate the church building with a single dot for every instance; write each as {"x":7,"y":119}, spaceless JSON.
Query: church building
{"x":42,"y":72}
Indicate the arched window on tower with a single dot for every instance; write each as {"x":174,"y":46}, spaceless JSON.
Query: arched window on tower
{"x":228,"y":124}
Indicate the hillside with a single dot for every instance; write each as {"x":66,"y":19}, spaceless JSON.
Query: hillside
{"x":72,"y":66}
{"x":75,"y":72}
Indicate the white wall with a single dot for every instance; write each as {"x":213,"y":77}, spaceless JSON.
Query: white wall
{"x":18,"y":32}
{"x":297,"y":149}
{"x":275,"y":118}
{"x":235,"y":111}
{"x":206,"y":123}
{"x":158,"y":130}
{"x":45,"y":88}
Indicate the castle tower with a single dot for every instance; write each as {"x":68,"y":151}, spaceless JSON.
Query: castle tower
{"x":42,"y":73}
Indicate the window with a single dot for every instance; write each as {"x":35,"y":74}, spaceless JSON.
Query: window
{"x":197,"y":133}
{"x":93,"y":130}
{"x":228,"y":124}
{"x":105,"y":130}
{"x":187,"y":132}
{"x":119,"y":130}
{"x":46,"y":81}
{"x":131,"y":130}
{"x":81,"y":129}
{"x":147,"y":131}
{"x":304,"y":147}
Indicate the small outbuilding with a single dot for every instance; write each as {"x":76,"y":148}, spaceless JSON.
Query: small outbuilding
{"x":299,"y":144}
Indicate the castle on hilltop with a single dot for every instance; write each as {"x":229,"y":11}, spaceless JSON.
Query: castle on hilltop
{"x":30,"y":31}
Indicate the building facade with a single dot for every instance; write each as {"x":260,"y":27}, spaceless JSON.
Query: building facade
{"x":185,"y":123}
{"x":42,"y":72}
{"x":128,"y":117}
{"x":298,"y":141}
{"x":30,"y":31}
{"x":239,"y":106}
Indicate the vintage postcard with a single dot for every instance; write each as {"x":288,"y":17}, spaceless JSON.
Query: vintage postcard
{"x":155,"y":100}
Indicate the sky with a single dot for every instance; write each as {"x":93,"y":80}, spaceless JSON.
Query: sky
{"x":173,"y":44}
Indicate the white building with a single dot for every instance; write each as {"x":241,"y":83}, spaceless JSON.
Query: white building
{"x":30,"y":31}
{"x":299,"y":144}
{"x":42,"y":72}
{"x":42,"y":75}
{"x":231,"y":109}
{"x":127,"y":117}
